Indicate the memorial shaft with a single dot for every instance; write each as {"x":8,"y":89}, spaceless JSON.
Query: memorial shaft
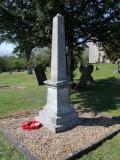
{"x":58,"y":115}
{"x":58,"y":62}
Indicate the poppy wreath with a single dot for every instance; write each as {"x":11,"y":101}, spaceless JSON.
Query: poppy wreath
{"x":31,"y":125}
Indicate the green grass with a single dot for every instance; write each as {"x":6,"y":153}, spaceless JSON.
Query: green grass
{"x":106,"y":71}
{"x":101,"y":97}
{"x":7,"y":151}
{"x":108,"y":151}
{"x":13,"y":100}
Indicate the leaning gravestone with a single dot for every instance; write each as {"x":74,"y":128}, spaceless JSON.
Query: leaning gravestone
{"x":40,"y":74}
{"x":58,"y":115}
{"x":86,"y":77}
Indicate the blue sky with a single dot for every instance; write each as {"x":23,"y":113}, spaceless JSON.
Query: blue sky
{"x":6,"y":49}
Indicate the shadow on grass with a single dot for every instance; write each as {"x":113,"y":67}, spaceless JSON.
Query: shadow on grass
{"x":103,"y":96}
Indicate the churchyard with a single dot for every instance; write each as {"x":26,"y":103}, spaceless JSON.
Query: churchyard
{"x":17,"y":88}
{"x":15,"y":98}
{"x":50,"y":117}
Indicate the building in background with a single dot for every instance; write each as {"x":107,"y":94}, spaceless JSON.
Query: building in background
{"x":97,"y":54}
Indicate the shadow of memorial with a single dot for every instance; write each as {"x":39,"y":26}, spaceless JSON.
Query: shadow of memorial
{"x":99,"y":121}
{"x":103,"y":96}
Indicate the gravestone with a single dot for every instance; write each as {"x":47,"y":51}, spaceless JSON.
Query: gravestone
{"x":118,"y":65}
{"x":40,"y":74}
{"x":29,"y":70}
{"x":58,"y":115}
{"x":86,"y":77}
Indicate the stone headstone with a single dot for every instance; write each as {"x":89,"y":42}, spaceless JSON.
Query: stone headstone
{"x":58,"y":115}
{"x":29,"y":70}
{"x":40,"y":74}
{"x":86,"y":77}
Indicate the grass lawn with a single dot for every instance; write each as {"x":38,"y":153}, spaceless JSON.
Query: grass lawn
{"x":19,"y":99}
{"x":101,"y":97}
{"x":8,"y":152}
{"x":110,"y":150}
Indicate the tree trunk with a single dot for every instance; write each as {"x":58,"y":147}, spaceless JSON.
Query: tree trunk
{"x":28,"y":50}
{"x":72,"y":61}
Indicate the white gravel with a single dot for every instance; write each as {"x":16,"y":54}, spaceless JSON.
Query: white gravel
{"x":46,"y":145}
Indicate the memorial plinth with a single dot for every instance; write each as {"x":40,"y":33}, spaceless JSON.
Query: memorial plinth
{"x":58,"y":115}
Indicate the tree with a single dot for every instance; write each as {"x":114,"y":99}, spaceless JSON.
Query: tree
{"x":3,"y":64}
{"x":17,"y":18}
{"x":112,"y":52}
{"x":42,"y":56}
{"x":85,"y":21}
{"x":29,"y":23}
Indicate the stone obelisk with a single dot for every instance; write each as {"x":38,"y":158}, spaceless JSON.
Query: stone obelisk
{"x":58,"y":115}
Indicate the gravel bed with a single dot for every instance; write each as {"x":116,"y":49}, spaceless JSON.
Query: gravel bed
{"x":46,"y":145}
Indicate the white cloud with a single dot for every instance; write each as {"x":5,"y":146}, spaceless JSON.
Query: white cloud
{"x":6,"y":49}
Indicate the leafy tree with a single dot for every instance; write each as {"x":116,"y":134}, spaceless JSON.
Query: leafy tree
{"x":112,"y":52}
{"x":85,"y":21}
{"x":29,"y":24}
{"x":43,"y":56}
{"x":3,"y":64}
{"x":12,"y":63}
{"x":16,"y":63}
{"x":17,"y":19}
